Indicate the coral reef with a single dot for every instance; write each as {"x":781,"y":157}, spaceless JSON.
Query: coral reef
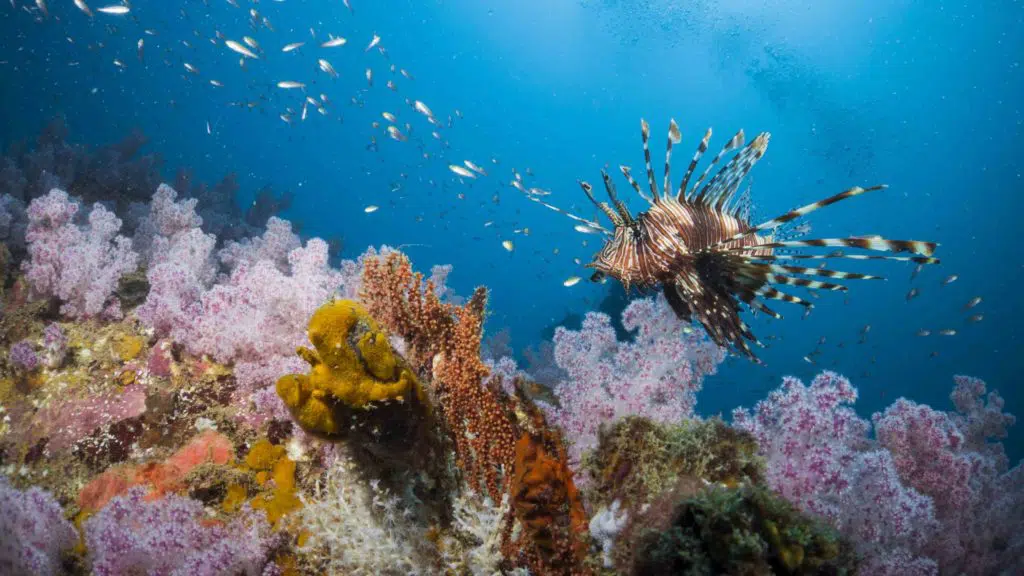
{"x":171,"y":419}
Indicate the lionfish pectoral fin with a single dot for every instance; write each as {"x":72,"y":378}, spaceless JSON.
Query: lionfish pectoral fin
{"x":824,"y":272}
{"x":774,"y":294}
{"x":799,"y":212}
{"x":677,"y":303}
{"x":874,"y":243}
{"x":783,"y":257}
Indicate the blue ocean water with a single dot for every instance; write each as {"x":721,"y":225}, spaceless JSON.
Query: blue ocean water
{"x":923,"y":96}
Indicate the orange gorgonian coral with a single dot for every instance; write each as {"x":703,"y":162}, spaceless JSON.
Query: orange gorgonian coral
{"x":445,"y":338}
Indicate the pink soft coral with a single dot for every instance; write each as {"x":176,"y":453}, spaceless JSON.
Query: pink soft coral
{"x":656,"y":375}
{"x":80,"y":265}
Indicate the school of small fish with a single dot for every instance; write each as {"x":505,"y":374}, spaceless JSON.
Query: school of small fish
{"x":307,"y":91}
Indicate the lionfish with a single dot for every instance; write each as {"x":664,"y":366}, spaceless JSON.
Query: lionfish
{"x":699,"y":247}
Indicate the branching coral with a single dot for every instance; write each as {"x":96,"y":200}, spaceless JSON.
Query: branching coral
{"x":446,"y":337}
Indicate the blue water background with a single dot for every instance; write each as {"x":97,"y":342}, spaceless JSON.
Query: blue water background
{"x":925,"y":96}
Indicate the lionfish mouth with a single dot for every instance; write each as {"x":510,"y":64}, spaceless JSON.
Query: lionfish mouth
{"x":698,"y":246}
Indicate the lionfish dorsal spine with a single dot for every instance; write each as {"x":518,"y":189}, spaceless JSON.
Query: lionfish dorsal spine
{"x":721,"y":191}
{"x":602,"y":206}
{"x":682,"y":195}
{"x":733,"y":143}
{"x":645,"y":133}
{"x":674,"y":137}
{"x":627,"y":172}
{"x":609,"y":188}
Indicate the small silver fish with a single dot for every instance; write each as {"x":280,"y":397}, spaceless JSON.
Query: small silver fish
{"x":396,"y":134}
{"x":373,"y":42}
{"x":461,"y":171}
{"x":192,"y":69}
{"x":973,"y":302}
{"x":140,"y":46}
{"x":290,"y":84}
{"x":84,"y":7}
{"x":583,"y":229}
{"x":389,"y":117}
{"x":423,"y":109}
{"x":912,"y":294}
{"x":216,"y":83}
{"x":371,"y":209}
{"x":115,"y":10}
{"x":251,"y":42}
{"x":508,"y":245}
{"x":948,"y":332}
{"x":334,"y":42}
{"x":952,"y":278}
{"x":236,"y":47}
{"x":976,"y":318}
{"x":327,"y":68}
{"x":406,"y":74}
{"x":369,"y":76}
{"x":474,"y":167}
{"x":292,"y":46}
{"x":924,"y":332}
{"x":571,"y":281}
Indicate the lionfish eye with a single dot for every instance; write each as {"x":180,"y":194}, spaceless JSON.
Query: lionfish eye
{"x":597,"y":276}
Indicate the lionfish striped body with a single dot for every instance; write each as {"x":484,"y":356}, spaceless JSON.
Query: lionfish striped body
{"x":698,"y":246}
